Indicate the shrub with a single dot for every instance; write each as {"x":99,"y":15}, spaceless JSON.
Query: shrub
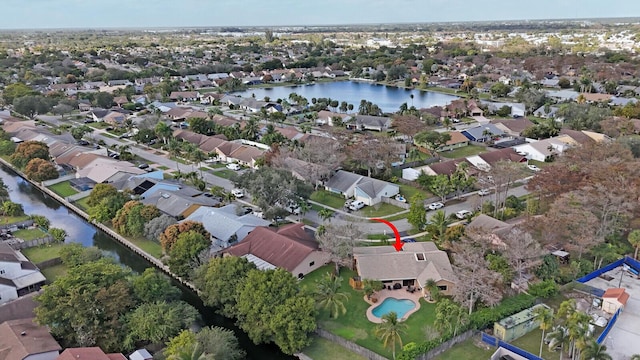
{"x":509,"y":306}
{"x":544,"y":289}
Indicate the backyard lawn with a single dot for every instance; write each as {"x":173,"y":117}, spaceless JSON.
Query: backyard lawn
{"x":323,"y":349}
{"x":63,"y":189}
{"x":466,"y":350}
{"x":54,"y":272}
{"x":41,"y":253}
{"x":82,"y":203}
{"x":13,"y":219}
{"x":29,"y":234}
{"x":152,"y":247}
{"x":464,"y":151}
{"x":355,"y":326}
{"x":409,"y":191}
{"x":328,"y":198}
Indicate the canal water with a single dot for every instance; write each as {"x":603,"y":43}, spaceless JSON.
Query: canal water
{"x":35,"y":202}
{"x":388,"y":98}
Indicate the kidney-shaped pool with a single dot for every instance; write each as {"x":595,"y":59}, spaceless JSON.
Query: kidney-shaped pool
{"x":399,"y":306}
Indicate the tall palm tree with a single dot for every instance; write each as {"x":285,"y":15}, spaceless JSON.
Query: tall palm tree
{"x":329,"y":296}
{"x":578,"y":327}
{"x":433,"y":289}
{"x":325,"y":214}
{"x":559,"y":336}
{"x":594,"y":351}
{"x":545,"y":316}
{"x":175,"y":149}
{"x":440,"y":221}
{"x":163,"y":131}
{"x":390,"y":331}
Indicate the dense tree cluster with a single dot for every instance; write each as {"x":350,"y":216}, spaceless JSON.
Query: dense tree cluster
{"x":28,"y":150}
{"x":104,"y":202}
{"x":40,"y":170}
{"x":131,"y":219}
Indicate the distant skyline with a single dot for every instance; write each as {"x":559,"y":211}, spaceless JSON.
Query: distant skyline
{"x":47,"y":14}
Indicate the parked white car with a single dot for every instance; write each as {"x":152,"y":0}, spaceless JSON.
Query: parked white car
{"x":237,"y":193}
{"x":435,"y":206}
{"x":484,"y":192}
{"x":533,"y":167}
{"x":233,"y":166}
{"x":356,"y":205}
{"x":463,"y":214}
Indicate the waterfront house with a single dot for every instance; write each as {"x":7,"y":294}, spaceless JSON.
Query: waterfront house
{"x":179,"y":203}
{"x":18,"y":276}
{"x":24,"y":339}
{"x":225,"y":225}
{"x":289,"y":247}
{"x":363,"y":188}
{"x":414,"y":266}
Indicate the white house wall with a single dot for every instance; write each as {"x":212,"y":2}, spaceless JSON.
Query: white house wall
{"x":7,"y":293}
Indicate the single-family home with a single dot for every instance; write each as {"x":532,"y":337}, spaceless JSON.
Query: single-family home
{"x":18,"y":276}
{"x":545,"y":111}
{"x":517,"y":109}
{"x":288,"y":247}
{"x":23,"y":339}
{"x":440,"y":168}
{"x":519,"y":324}
{"x":101,"y":169}
{"x":545,"y":150}
{"x":482,"y":133}
{"x":492,"y":227}
{"x":363,"y":188}
{"x":457,"y":140}
{"x":614,"y":299}
{"x":225,"y":225}
{"x":327,"y":117}
{"x":231,"y":151}
{"x":485,"y":160}
{"x":180,"y":203}
{"x":115,"y":119}
{"x":184,"y":95}
{"x":89,"y":353}
{"x":512,"y":127}
{"x":368,"y":122}
{"x":414,"y":266}
{"x":595,"y":97}
{"x":120,"y":100}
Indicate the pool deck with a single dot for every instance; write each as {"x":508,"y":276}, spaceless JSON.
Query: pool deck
{"x":399,"y":294}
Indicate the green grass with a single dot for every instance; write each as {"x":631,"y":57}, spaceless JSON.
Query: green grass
{"x":153,"y":248}
{"x":41,"y":253}
{"x":378,"y":237}
{"x":54,"y":272}
{"x":409,"y":191}
{"x":13,"y":219}
{"x":381,"y":209}
{"x":323,"y":349}
{"x":466,"y":350}
{"x":216,"y":165}
{"x":531,"y":343}
{"x":328,"y":198}
{"x":29,"y":234}
{"x":464,"y":151}
{"x":83,"y":203}
{"x":63,"y":189}
{"x":99,"y":125}
{"x":225,"y":174}
{"x":354,"y":325}
{"x":162,"y":167}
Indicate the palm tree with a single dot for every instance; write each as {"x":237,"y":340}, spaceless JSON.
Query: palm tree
{"x":194,"y":353}
{"x":634,"y":240}
{"x":163,"y":131}
{"x":433,"y":289}
{"x":440,"y":222}
{"x":578,"y":327}
{"x":329,"y":296}
{"x":545,"y":316}
{"x":594,"y":351}
{"x":325,"y":214}
{"x":559,"y":336}
{"x":390,"y":331}
{"x":175,"y":149}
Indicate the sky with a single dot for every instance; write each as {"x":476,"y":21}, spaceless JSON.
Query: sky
{"x":47,"y":14}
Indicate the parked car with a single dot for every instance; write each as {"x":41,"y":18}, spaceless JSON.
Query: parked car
{"x":237,"y":193}
{"x":435,"y":206}
{"x":401,"y":198}
{"x":356,"y":205}
{"x":408,"y":240}
{"x":247,"y":210}
{"x":143,"y":166}
{"x":484,"y":192}
{"x":463,"y":214}
{"x":533,"y":167}
{"x":233,"y":166}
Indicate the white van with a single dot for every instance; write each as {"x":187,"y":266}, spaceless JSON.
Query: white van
{"x":233,"y":166}
{"x":356,"y":205}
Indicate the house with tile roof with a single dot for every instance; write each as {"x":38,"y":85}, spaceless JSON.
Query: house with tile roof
{"x":289,"y":247}
{"x":485,"y":161}
{"x":512,"y":127}
{"x":225,"y":225}
{"x":369,"y":122}
{"x":88,"y":353}
{"x":363,"y":188}
{"x":36,"y":343}
{"x":179,"y":203}
{"x":415,"y":265}
{"x":18,"y":276}
{"x":457,"y":140}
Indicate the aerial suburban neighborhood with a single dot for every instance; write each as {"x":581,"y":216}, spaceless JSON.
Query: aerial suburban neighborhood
{"x":409,"y":191}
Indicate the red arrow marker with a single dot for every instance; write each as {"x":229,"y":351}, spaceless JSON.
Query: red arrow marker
{"x":398,"y":244}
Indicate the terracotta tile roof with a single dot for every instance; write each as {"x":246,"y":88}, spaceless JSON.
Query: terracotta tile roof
{"x":576,"y":135}
{"x":447,"y":167}
{"x":617,"y":293}
{"x":456,"y":138}
{"x":507,"y":154}
{"x":36,"y":339}
{"x":88,"y":353}
{"x":285,"y":247}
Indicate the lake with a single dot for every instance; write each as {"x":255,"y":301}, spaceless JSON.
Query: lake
{"x":35,"y":202}
{"x":388,"y":98}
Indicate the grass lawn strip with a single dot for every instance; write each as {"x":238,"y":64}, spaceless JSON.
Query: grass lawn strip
{"x":13,"y":219}
{"x":63,"y":189}
{"x":466,"y":350}
{"x":328,"y":198}
{"x":54,"y":272}
{"x":354,"y":325}
{"x":29,"y":234}
{"x":380,"y":209}
{"x":464,"y":151}
{"x":323,"y":349}
{"x":83,"y":203}
{"x":225,"y":174}
{"x":42,"y":253}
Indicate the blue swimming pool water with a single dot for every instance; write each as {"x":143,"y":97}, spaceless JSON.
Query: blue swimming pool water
{"x":392,"y":304}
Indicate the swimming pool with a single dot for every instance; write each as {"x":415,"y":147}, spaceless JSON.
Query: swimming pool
{"x":400,"y":306}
